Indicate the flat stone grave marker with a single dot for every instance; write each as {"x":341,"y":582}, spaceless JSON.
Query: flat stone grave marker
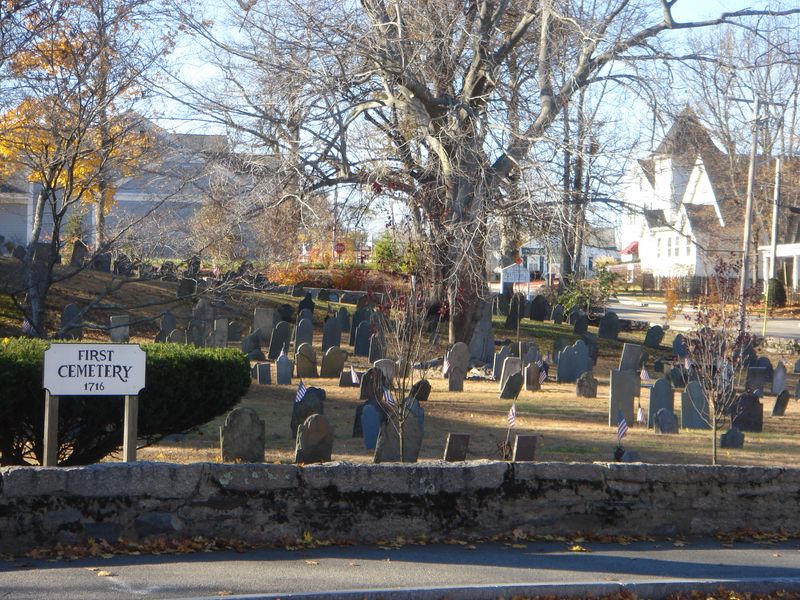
{"x":781,"y":402}
{"x":557,"y":314}
{"x":531,"y":378}
{"x":733,"y":438}
{"x":261,"y":373}
{"x":283,"y":370}
{"x":71,"y":323}
{"x":377,"y":347}
{"x":665,"y":421}
{"x":624,"y":386}
{"x":119,"y":331}
{"x":314,"y":441}
{"x":680,"y":347}
{"x":511,"y":365}
{"x":371,"y":418}
{"x":176,"y":336}
{"x":608,"y":326}
{"x":747,"y":413}
{"x":372,"y":384}
{"x":694,"y":407}
{"x":279,"y":341}
{"x":242,"y":436}
{"x":303,"y":333}
{"x":654,"y":337}
{"x":661,"y":396}
{"x":421,"y":390}
{"x":333,"y":362}
{"x":631,"y":358}
{"x":779,"y":379}
{"x":586,"y":385}
{"x":264,"y":322}
{"x":362,"y":339}
{"x":344,"y":319}
{"x":305,"y":360}
{"x":331,"y":334}
{"x":499,"y":359}
{"x":313,"y":402}
{"x":581,"y":325}
{"x":456,"y":447}
{"x":387,"y":447}
{"x":512,"y":387}
{"x":524,"y":448}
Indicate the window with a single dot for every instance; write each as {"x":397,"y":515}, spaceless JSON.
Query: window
{"x":677,"y":245}
{"x":688,"y":245}
{"x":658,"y":247}
{"x":669,"y":246}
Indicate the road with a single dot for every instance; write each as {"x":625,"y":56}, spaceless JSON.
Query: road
{"x":487,"y":571}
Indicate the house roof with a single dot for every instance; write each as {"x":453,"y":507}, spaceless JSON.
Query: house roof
{"x":649,"y":169}
{"x":655,"y":218}
{"x":632,"y":248}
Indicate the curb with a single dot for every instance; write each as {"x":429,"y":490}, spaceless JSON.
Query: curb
{"x":655,"y":590}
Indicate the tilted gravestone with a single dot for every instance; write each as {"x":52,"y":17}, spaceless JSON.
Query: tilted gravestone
{"x":654,"y":337}
{"x":377,"y":347}
{"x":747,"y":413}
{"x":499,"y":358}
{"x":261,"y":373}
{"x":314,"y":441}
{"x":557,"y":314}
{"x":71,"y":323}
{"x":694,"y":407}
{"x":313,"y":402}
{"x":119,"y":330}
{"x":263,"y":321}
{"x":540,"y":308}
{"x":242,"y":436}
{"x":481,"y":346}
{"x":362,"y":339}
{"x":665,"y":421}
{"x":733,"y":438}
{"x":387,"y":447}
{"x":333,"y":363}
{"x":279,"y":341}
{"x":661,"y":396}
{"x":331,"y":334}
{"x":421,"y":390}
{"x":372,"y":384}
{"x":608,"y":326}
{"x":512,"y":387}
{"x":581,"y":325}
{"x":511,"y":365}
{"x":530,"y":377}
{"x":781,"y":402}
{"x":524,"y":448}
{"x":779,"y":379}
{"x":458,"y":360}
{"x":251,"y":342}
{"x":305,"y":361}
{"x":283,"y":370}
{"x":586,"y":385}
{"x":631,"y":358}
{"x":623,"y":386}
{"x":304,"y":333}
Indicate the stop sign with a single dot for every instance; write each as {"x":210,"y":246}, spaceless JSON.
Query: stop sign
{"x":339,"y":247}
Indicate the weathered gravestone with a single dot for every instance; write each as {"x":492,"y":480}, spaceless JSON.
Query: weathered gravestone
{"x":234,"y":332}
{"x":377,"y":347}
{"x":283,"y":370}
{"x":166,"y":326}
{"x":796,"y":366}
{"x":306,"y":303}
{"x":102,"y":262}
{"x":360,"y":316}
{"x":119,"y":330}
{"x":371,"y":418}
{"x":516,"y":311}
{"x":512,"y":387}
{"x":733,"y":438}
{"x":499,"y":358}
{"x":661,"y":396}
{"x":528,"y":352}
{"x":79,"y":253}
{"x":457,"y":361}
{"x":624,"y":386}
{"x":747,"y":413}
{"x":279,"y":341}
{"x":331,"y":334}
{"x":581,"y":325}
{"x":362,"y":339}
{"x":503,"y":304}
{"x":654,"y":337}
{"x":314,"y":441}
{"x":313,"y":402}
{"x":665,"y":421}
{"x":530,"y":375}
{"x":608,"y":326}
{"x":219,"y":336}
{"x":71,"y":323}
{"x":481,"y":346}
{"x":285,"y":313}
{"x":305,"y":361}
{"x":344,"y":319}
{"x":540,"y":308}
{"x":631,"y":358}
{"x":251,"y":342}
{"x":694,"y":407}
{"x":261,"y":373}
{"x":372,"y":384}
{"x":779,"y":408}
{"x":557,"y":315}
{"x":680,"y":347}
{"x":387,"y":447}
{"x":421,"y":390}
{"x":586,"y":385}
{"x":333,"y":363}
{"x":303,"y":333}
{"x":524,"y":448}
{"x":176,"y":336}
{"x":264,"y":322}
{"x":386,"y":366}
{"x":195,"y":334}
{"x":456,"y":447}
{"x":573,"y":362}
{"x":779,"y":379}
{"x":242,"y":436}
{"x":764,"y":363}
{"x":511,"y":365}
{"x":305,"y":314}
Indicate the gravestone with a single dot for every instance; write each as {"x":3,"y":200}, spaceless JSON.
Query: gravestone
{"x":261,"y":373}
{"x":362,"y":339}
{"x":757,"y":378}
{"x":512,"y":387}
{"x":79,"y":253}
{"x":167,"y":324}
{"x":779,"y":408}
{"x":19,"y":252}
{"x":371,"y":418}
{"x":797,"y":390}
{"x":314,"y":441}
{"x":285,"y":313}
{"x":71,"y":323}
{"x":678,"y":376}
{"x":481,"y":346}
{"x":195,"y":334}
{"x":313,"y":402}
{"x":567,"y":367}
{"x":344,"y":319}
{"x":242,"y":436}
{"x":608,"y":326}
{"x":176,"y":336}
{"x":279,"y":341}
{"x":779,"y":379}
{"x":529,"y":352}
{"x":305,"y":360}
{"x":661,"y":396}
{"x":524,"y":448}
{"x":386,"y":366}
{"x":219,"y":336}
{"x":305,"y":314}
{"x":694,"y":407}
{"x":631,"y":358}
{"x":733,"y":438}
{"x":361,"y":315}
{"x":581,"y":325}
{"x":304,"y":333}
{"x":252,"y":342}
{"x":557,"y":315}
{"x":263,"y":321}
{"x":333,"y":363}
{"x":372,"y":384}
{"x":119,"y":330}
{"x":796,"y":366}
{"x":586,"y":385}
{"x":387,"y":447}
{"x":324,"y":295}
{"x":623,"y":386}
{"x":540,"y":308}
{"x":456,"y":447}
{"x":306,"y":303}
{"x":331,"y":334}
{"x":186,"y":287}
{"x":102,"y":262}
{"x":297,"y":291}
{"x":511,"y":365}
{"x":658,"y":365}
{"x":747,"y":413}
{"x":531,"y":377}
{"x":377,"y":347}
{"x":665,"y":421}
{"x":499,"y":358}
{"x":458,"y":360}
{"x":283,"y":370}
{"x":764,"y":363}
{"x":516,"y":311}
{"x":680,"y":346}
{"x":503,"y":304}
{"x":234,"y":332}
{"x":421,"y":390}
{"x":654,"y":337}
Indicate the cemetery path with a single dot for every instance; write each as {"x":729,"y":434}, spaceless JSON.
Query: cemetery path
{"x":487,"y":570}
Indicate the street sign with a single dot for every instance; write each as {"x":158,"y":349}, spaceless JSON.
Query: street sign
{"x":94,"y":369}
{"x":339,"y":247}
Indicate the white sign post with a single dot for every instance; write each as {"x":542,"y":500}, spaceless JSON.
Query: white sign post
{"x":92,"y":370}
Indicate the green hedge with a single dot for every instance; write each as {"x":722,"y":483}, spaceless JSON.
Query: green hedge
{"x":186,"y":387}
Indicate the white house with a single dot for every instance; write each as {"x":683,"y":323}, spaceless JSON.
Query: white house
{"x":542,"y":255}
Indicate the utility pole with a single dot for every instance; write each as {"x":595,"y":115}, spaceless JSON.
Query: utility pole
{"x":773,"y":241}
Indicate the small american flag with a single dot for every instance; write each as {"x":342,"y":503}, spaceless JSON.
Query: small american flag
{"x":283,"y":351}
{"x":542,"y":374}
{"x":445,"y":366}
{"x":27,"y":328}
{"x":622,"y":429}
{"x":687,"y":363}
{"x":512,"y":415}
{"x":301,"y":391}
{"x":387,"y":396}
{"x":644,"y":375}
{"x":640,"y":420}
{"x":354,"y":376}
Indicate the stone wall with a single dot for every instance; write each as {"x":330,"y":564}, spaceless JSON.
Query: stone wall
{"x":367,"y":503}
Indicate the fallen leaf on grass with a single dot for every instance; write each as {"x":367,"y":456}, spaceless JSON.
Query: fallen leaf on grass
{"x":578,"y":548}
{"x":105,"y":574}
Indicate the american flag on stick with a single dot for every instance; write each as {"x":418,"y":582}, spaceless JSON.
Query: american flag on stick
{"x":512,"y":415}
{"x":27,"y":328}
{"x":640,"y":420}
{"x":301,"y":391}
{"x":622,"y":428}
{"x":644,"y":375}
{"x":354,"y":376}
{"x":387,"y":396}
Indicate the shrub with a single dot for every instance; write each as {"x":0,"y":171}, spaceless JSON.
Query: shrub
{"x":186,"y":386}
{"x":776,"y":293}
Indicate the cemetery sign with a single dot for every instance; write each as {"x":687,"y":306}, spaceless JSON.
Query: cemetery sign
{"x":515,"y":274}
{"x":94,"y":369}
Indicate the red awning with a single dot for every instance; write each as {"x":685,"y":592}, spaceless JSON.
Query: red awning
{"x":632,"y":248}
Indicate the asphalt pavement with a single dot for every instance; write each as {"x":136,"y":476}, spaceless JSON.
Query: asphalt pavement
{"x":454,"y":571}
